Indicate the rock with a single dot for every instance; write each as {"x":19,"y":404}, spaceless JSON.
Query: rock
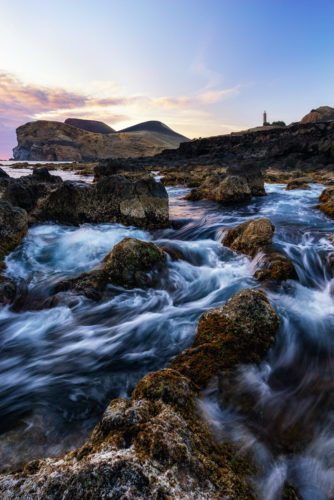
{"x":111,"y":166}
{"x":250,"y":236}
{"x":156,"y":445}
{"x":13,"y":226}
{"x":324,"y":113}
{"x":254,"y":238}
{"x":273,"y":265}
{"x":55,"y":141}
{"x":7,"y":290}
{"x":241,"y":331}
{"x":46,"y":197}
{"x":327,"y":202}
{"x":299,"y":183}
{"x":232,"y":189}
{"x":3,"y":174}
{"x":133,"y":263}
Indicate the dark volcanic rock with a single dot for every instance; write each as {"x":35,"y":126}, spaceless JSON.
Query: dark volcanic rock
{"x":299,"y":183}
{"x":13,"y":226}
{"x":113,"y":199}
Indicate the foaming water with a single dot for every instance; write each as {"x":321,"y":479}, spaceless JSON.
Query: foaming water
{"x":61,"y":366}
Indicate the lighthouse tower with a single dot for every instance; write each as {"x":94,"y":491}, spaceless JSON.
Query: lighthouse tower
{"x":265,"y":118}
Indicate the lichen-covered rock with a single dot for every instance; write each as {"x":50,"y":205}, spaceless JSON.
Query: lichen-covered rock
{"x":327,"y":201}
{"x":241,"y":331}
{"x":157,"y":445}
{"x":134,"y":263}
{"x":254,"y":238}
{"x":250,"y":236}
{"x":131,"y":263}
{"x":232,"y":189}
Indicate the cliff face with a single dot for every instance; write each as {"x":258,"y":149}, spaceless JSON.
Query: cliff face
{"x":56,"y":141}
{"x":296,"y":146}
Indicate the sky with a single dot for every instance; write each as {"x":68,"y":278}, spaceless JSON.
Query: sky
{"x":203,"y":67}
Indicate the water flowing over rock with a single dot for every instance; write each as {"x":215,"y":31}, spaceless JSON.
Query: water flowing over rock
{"x":156,"y":445}
{"x":132,"y":263}
{"x":113,"y":199}
{"x":254,"y":238}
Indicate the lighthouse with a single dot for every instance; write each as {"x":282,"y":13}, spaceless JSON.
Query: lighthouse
{"x":265,"y":118}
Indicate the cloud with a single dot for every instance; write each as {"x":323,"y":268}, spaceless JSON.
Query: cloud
{"x":21,"y":102}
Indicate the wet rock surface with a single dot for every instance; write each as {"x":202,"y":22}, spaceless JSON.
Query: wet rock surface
{"x":132,"y":263}
{"x":254,"y":238}
{"x":327,"y":202}
{"x":157,"y":445}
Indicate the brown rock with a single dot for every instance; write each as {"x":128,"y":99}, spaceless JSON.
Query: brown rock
{"x":327,"y":202}
{"x":250,"y":236}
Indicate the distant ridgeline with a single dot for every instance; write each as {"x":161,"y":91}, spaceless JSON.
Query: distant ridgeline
{"x":88,"y":140}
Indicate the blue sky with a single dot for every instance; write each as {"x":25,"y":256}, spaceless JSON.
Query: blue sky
{"x":203,"y":67}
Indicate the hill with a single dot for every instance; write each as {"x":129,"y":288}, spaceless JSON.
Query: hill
{"x":90,"y":125}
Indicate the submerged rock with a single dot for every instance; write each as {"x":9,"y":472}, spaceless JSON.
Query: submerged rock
{"x":132,"y":263}
{"x":156,"y":445}
{"x":254,"y":238}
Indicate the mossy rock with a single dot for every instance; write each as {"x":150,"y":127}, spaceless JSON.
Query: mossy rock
{"x":241,"y":331}
{"x":134,"y":263}
{"x":250,"y":236}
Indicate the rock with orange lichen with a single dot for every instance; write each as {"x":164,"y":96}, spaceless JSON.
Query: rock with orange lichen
{"x":254,"y":238}
{"x":241,"y":331}
{"x":157,"y":445}
{"x":327,"y":202}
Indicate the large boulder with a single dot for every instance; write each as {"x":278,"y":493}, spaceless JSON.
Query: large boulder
{"x":254,"y":238}
{"x":298,"y":183}
{"x":250,"y":236}
{"x":132,"y":263}
{"x":241,"y":331}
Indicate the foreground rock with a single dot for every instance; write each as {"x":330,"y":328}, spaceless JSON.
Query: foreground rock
{"x":327,"y":202}
{"x":46,"y":197}
{"x":254,"y":238}
{"x":156,"y":445}
{"x":132,"y":263}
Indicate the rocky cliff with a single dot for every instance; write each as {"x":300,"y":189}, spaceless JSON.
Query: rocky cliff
{"x":56,"y":141}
